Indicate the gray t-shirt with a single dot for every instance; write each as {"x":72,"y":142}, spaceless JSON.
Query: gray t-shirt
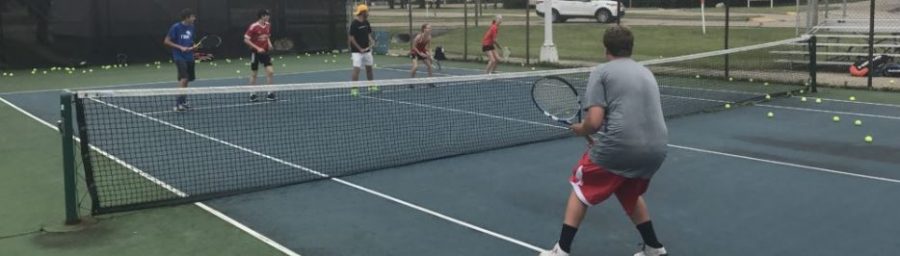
{"x":632,"y":141}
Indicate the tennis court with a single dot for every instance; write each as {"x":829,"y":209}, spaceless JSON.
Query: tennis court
{"x":454,"y":166}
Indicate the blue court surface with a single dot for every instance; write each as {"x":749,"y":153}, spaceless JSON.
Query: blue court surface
{"x":735,"y":182}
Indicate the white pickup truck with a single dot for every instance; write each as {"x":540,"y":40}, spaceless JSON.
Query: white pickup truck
{"x":602,"y":10}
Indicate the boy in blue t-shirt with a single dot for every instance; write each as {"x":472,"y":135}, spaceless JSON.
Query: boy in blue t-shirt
{"x":181,"y":39}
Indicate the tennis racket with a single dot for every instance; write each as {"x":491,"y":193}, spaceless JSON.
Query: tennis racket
{"x":208,"y":42}
{"x":557,"y":99}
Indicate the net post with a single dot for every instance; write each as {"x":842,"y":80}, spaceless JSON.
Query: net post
{"x":68,"y":151}
{"x":813,"y":64}
{"x":527,"y":33}
{"x":871,"y":43}
{"x":465,"y":30}
{"x":727,"y":29}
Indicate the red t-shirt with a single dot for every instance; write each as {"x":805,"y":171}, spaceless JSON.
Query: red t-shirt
{"x":421,"y":45}
{"x":259,"y":34}
{"x":490,"y":37}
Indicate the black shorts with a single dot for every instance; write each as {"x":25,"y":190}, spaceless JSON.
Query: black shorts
{"x":485,"y":48}
{"x":256,"y":58}
{"x":417,"y":57}
{"x":185,"y":70}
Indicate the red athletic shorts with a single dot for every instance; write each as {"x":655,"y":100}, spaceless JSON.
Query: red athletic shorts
{"x":593,"y":184}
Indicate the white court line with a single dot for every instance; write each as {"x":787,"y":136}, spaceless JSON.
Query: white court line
{"x":831,"y":112}
{"x":862,"y":102}
{"x":146,"y":175}
{"x":697,"y":99}
{"x":341,"y":181}
{"x":170,"y":82}
{"x":218,"y":107}
{"x":807,"y":167}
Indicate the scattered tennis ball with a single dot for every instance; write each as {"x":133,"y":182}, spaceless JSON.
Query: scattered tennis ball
{"x":892,"y":81}
{"x":818,"y":100}
{"x":766,"y":83}
{"x":373,"y":88}
{"x":801,"y":91}
{"x":326,"y":61}
{"x":12,"y":75}
{"x":334,"y":56}
{"x":697,"y":76}
{"x":770,"y":115}
{"x":868,"y":139}
{"x":125,"y":65}
{"x":836,"y":118}
{"x":857,"y":122}
{"x":84,"y":71}
{"x":90,"y":70}
{"x":803,"y":99}
{"x":751,"y":80}
{"x":354,"y":92}
{"x":147,"y":65}
{"x":852,"y":98}
{"x":283,"y":65}
{"x":158,"y":67}
{"x":45,"y":72}
{"x":237,"y":71}
{"x":731,"y":79}
{"x":3,"y":74}
{"x":727,"y":105}
{"x":280,"y":57}
{"x":241,"y":59}
{"x":532,"y":68}
{"x":33,"y":72}
{"x":768,"y":97}
{"x":333,"y":61}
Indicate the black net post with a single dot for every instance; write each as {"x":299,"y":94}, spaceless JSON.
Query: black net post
{"x":618,"y":12}
{"x":465,"y":30}
{"x":727,"y":28}
{"x":68,"y":147}
{"x":812,"y":64}
{"x":410,"y":19}
{"x":527,"y":33}
{"x":871,"y":42}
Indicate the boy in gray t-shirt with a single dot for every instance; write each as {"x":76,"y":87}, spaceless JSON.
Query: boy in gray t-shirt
{"x":625,"y":120}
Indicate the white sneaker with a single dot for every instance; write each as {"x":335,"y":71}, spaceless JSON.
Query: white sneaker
{"x":556,"y":251}
{"x":650,"y":251}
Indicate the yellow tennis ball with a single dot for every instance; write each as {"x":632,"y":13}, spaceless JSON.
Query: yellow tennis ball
{"x":237,"y":71}
{"x":869,"y":139}
{"x":766,"y":83}
{"x":727,"y":105}
{"x":770,"y":114}
{"x":836,"y":118}
{"x":803,"y":99}
{"x":751,"y":80}
{"x":852,"y":98}
{"x":818,"y":100}
{"x":283,"y":65}
{"x":768,"y":97}
{"x":857,"y":122}
{"x":45,"y":72}
{"x":354,"y":92}
{"x":158,"y":67}
{"x":731,"y":79}
{"x":801,"y":91}
{"x":697,"y":76}
{"x":12,"y":75}
{"x":532,"y":68}
{"x":326,"y":61}
{"x":333,"y":61}
{"x":892,"y":81}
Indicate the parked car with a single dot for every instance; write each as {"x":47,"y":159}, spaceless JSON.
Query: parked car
{"x":603,"y":11}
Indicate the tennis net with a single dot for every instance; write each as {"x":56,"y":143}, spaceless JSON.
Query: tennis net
{"x":137,"y":152}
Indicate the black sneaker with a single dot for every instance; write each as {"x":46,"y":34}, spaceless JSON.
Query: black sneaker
{"x":270,"y":96}
{"x":254,"y":98}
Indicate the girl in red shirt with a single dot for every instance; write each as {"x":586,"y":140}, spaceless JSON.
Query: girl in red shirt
{"x":489,"y":45}
{"x":420,"y":50}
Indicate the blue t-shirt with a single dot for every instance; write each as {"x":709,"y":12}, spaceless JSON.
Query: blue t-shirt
{"x":182,"y":35}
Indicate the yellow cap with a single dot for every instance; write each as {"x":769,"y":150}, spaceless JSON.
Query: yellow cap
{"x":361,"y":8}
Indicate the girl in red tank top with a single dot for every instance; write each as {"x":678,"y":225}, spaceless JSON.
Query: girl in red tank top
{"x":420,"y":50}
